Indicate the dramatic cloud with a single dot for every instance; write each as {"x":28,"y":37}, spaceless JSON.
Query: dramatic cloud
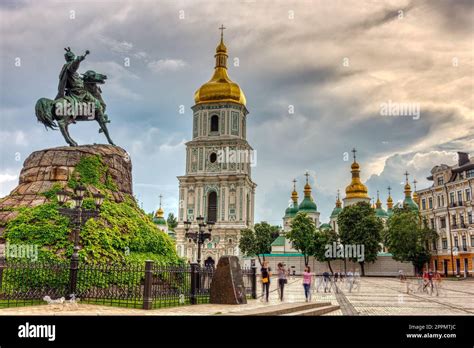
{"x":315,"y":74}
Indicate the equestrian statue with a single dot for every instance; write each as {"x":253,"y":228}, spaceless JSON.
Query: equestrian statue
{"x":78,"y":99}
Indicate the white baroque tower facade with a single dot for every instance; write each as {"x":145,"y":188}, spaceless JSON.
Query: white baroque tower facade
{"x":217,"y":184}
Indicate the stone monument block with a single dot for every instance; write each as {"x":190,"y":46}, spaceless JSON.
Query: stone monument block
{"x":227,"y":285}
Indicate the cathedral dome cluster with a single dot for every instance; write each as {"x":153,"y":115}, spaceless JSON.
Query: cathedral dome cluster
{"x":220,"y":88}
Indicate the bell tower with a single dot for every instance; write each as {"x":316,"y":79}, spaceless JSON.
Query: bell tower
{"x":217,"y":184}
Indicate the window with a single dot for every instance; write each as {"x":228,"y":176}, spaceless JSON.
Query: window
{"x":454,"y":220}
{"x":432,"y":223}
{"x":230,"y":241}
{"x":442,"y":200}
{"x":434,"y":247}
{"x":468,"y":194}
{"x":461,"y":219}
{"x":213,"y":157}
{"x":456,"y":242}
{"x":212,"y":207}
{"x":460,"y":197}
{"x":443,"y":222}
{"x":445,"y":243}
{"x":439,"y":201}
{"x":464,"y":244}
{"x":461,"y":175}
{"x":430,"y":202}
{"x":215,"y":123}
{"x":469,"y":217}
{"x":470,"y":173}
{"x":451,"y":197}
{"x":440,"y":180}
{"x":423,"y":204}
{"x":472,"y":240}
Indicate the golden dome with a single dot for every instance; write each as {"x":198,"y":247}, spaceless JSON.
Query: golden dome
{"x":356,"y":188}
{"x":220,"y":88}
{"x":294,"y":194}
{"x":338,"y":202}
{"x":407,"y":190}
{"x":159,"y":213}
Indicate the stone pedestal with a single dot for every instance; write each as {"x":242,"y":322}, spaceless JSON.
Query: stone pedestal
{"x":227,"y":285}
{"x":45,"y":168}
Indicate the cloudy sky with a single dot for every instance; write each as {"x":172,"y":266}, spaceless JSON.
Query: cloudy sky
{"x":335,"y":63}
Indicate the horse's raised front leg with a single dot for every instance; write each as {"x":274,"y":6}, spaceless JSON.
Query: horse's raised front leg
{"x":103,"y":128}
{"x":63,"y":125}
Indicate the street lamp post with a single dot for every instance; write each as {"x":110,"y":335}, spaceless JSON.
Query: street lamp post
{"x":79,"y":217}
{"x":201,"y":235}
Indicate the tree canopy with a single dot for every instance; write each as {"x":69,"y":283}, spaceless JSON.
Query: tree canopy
{"x":303,"y":235}
{"x":408,"y":238}
{"x":257,"y":241}
{"x":358,"y":225}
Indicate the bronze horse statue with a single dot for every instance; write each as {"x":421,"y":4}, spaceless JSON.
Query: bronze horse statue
{"x":78,"y":99}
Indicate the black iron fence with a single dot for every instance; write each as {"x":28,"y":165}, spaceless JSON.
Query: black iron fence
{"x":144,"y":286}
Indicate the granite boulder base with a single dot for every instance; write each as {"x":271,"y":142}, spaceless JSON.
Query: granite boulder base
{"x":45,"y":168}
{"x":227,"y":285}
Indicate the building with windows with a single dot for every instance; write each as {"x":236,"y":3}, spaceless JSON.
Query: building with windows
{"x":217,"y":184}
{"x":447,"y":206}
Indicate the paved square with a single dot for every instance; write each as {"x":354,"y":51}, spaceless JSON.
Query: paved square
{"x":374,"y":296}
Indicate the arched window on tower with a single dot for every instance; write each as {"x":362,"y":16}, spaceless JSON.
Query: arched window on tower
{"x":212,"y":207}
{"x":215,"y":123}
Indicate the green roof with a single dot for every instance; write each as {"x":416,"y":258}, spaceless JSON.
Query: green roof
{"x":292,"y":210}
{"x":325,"y":225}
{"x":379,"y":212}
{"x":159,"y":220}
{"x":335,"y":212}
{"x":307,"y":205}
{"x":408,"y":201}
{"x":279,"y":241}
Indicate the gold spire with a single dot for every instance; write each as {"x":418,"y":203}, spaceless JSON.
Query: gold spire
{"x":389,"y":199}
{"x":415,"y":194}
{"x":338,"y":200}
{"x":307,"y":187}
{"x":378,"y":205}
{"x":407,"y":186}
{"x":220,"y":88}
{"x":356,"y":188}
{"x":160,"y":212}
{"x":294,"y":194}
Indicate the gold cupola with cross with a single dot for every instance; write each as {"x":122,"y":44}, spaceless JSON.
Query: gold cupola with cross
{"x":356,"y":191}
{"x":220,"y":88}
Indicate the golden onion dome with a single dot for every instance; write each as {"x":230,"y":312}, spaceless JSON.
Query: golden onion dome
{"x":220,"y":88}
{"x":159,"y":213}
{"x":407,"y":189}
{"x":356,"y":188}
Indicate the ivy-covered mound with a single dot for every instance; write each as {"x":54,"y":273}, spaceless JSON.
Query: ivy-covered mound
{"x":123,"y":233}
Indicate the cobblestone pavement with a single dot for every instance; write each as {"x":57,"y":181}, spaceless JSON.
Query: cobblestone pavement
{"x":375,"y":296}
{"x":387,"y":296}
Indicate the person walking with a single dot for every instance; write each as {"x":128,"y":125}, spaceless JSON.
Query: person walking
{"x":307,"y":275}
{"x":281,"y":279}
{"x":266,"y":274}
{"x":327,"y":281}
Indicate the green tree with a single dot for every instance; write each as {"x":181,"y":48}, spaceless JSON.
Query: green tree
{"x":172,"y":221}
{"x":408,"y":239}
{"x":257,"y":241}
{"x":358,"y":225}
{"x":303,"y":235}
{"x":324,"y":238}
